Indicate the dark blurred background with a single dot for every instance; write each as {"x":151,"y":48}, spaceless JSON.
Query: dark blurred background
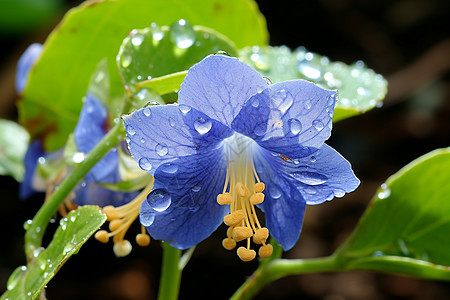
{"x":407,"y":41}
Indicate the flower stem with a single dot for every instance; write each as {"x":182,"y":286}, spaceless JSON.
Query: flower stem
{"x":34,"y":234}
{"x":169,"y":284}
{"x":278,"y":268}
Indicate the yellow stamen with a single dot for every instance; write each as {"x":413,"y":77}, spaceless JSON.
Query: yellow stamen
{"x":120,"y":219}
{"x":243,"y":190}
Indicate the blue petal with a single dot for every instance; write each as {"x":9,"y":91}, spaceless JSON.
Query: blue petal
{"x":160,"y":134}
{"x":292,"y":118}
{"x":32,"y":155}
{"x":90,"y":130}
{"x":219,"y":85}
{"x":188,"y":188}
{"x":24,"y":65}
{"x":284,"y":205}
{"x":293,"y":183}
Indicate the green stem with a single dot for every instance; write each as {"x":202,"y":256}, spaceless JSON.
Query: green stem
{"x":278,"y":268}
{"x":169,"y":284}
{"x":34,"y":234}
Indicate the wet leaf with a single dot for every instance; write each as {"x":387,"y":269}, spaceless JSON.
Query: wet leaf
{"x":406,"y":228}
{"x":360,"y":88}
{"x":93,"y":31}
{"x":154,"y":52}
{"x":74,"y":230}
{"x":13,"y":146}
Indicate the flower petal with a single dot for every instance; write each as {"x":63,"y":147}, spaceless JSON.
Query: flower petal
{"x":292,"y":184}
{"x":185,"y":210}
{"x":32,"y":155}
{"x":160,"y":134}
{"x":284,"y":205}
{"x":24,"y":65}
{"x":88,"y":133}
{"x":292,"y":118}
{"x":218,"y":86}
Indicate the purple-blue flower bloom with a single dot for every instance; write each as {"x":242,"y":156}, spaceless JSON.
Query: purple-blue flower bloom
{"x":233,"y":137}
{"x":24,"y":65}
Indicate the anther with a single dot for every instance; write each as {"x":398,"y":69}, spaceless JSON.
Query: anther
{"x":265,"y":251}
{"x":241,"y":233}
{"x":122,"y":248}
{"x":115,"y":224}
{"x":111,"y":212}
{"x":259,"y":187}
{"x":242,"y":190}
{"x":234,"y":218}
{"x":260,"y":235}
{"x":229,"y":243}
{"x":224,"y":199}
{"x":102,"y":236}
{"x":142,"y":239}
{"x":257,"y":198}
{"x":246,"y":254}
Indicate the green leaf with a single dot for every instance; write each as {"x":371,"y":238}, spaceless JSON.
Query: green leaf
{"x":406,"y":228}
{"x":93,"y":31}
{"x":154,"y":52}
{"x":74,"y":230}
{"x":360,"y":88}
{"x":13,"y":145}
{"x":164,"y":84}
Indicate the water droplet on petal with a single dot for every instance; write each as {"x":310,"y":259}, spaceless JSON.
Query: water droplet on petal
{"x":274,"y":192}
{"x":196,"y":188}
{"x":202,"y":125}
{"x":255,"y":102}
{"x":317,"y":124}
{"x":261,"y":129}
{"x":142,"y":140}
{"x":145,"y":164}
{"x":159,"y":200}
{"x":295,"y":126}
{"x":282,"y":100}
{"x":171,"y":122}
{"x":130,"y":130}
{"x":313,"y":159}
{"x":126,"y":60}
{"x":161,"y":149}
{"x":184,"y":108}
{"x":146,"y":217}
{"x":168,"y":168}
{"x":309,"y":178}
{"x":339,"y":193}
{"x":147,"y":112}
{"x":308,"y":104}
{"x":182,"y":34}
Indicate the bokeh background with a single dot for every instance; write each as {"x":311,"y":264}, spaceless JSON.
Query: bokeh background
{"x":407,"y":41}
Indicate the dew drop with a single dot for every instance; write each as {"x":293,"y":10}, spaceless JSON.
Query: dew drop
{"x":171,"y":122}
{"x":196,"y":188}
{"x":146,"y":217}
{"x":385,"y":191}
{"x":377,"y":253}
{"x":182,"y":34}
{"x":339,"y":193}
{"x":147,"y":112}
{"x":255,"y":102}
{"x":142,"y":140}
{"x":202,"y":125}
{"x":27,"y":224}
{"x":274,"y":192}
{"x":126,"y":60}
{"x":145,"y":164}
{"x":168,"y":168}
{"x":308,"y":104}
{"x":159,"y":200}
{"x":161,"y":149}
{"x":68,"y":247}
{"x":309,"y":178}
{"x":130,"y":130}
{"x":184,"y":108}
{"x":282,"y":100}
{"x":295,"y":126}
{"x":157,"y":33}
{"x":308,"y":71}
{"x":137,"y":40}
{"x":63,"y":223}
{"x":313,"y":159}
{"x":78,"y":157}
{"x":261,"y":129}
{"x":317,"y":124}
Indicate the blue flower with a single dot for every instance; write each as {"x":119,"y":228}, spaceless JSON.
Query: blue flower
{"x":24,"y":65}
{"x":233,"y":143}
